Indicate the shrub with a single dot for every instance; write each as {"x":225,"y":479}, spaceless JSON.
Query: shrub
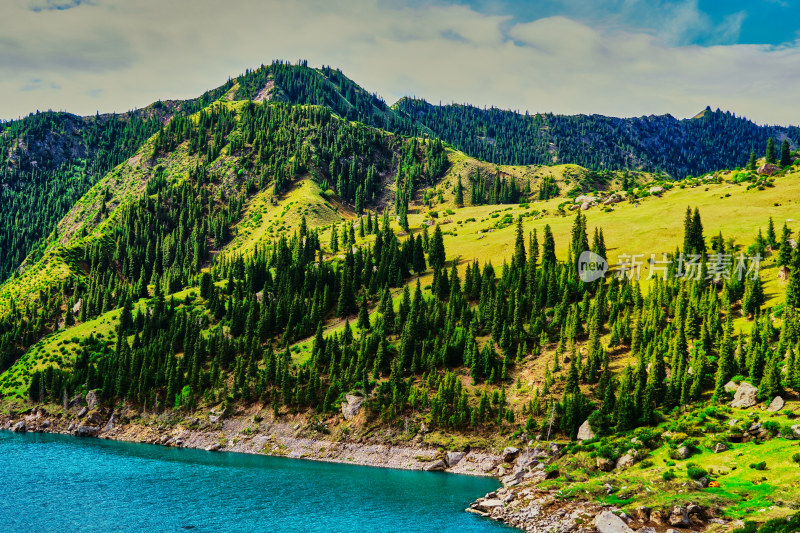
{"x":696,"y":472}
{"x":607,"y":452}
{"x":668,"y":475}
{"x":759,"y":466}
{"x":796,"y":458}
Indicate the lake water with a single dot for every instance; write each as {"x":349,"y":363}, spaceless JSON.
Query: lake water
{"x":63,"y":483}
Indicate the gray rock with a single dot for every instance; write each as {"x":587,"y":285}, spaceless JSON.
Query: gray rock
{"x":746,"y":396}
{"x":83,"y":412}
{"x":510,"y":453}
{"x":74,"y":402}
{"x":796,"y":431}
{"x":513,"y":478}
{"x":656,"y":190}
{"x":776,"y":404}
{"x":646,"y":529}
{"x":526,"y":460}
{"x":86,"y":431}
{"x":642,"y":513}
{"x":608,"y":522}
{"x":606,"y":465}
{"x":679,"y":517}
{"x":111,"y":422}
{"x":490,"y":504}
{"x":694,"y":510}
{"x":19,"y":427}
{"x":683,"y":453}
{"x":453,"y":458}
{"x":435,"y":466}
{"x":627,"y":460}
{"x":731,"y":387}
{"x":91,"y":399}
{"x":720,"y":447}
{"x":46,"y":424}
{"x":585,"y":431}
{"x":214,"y":447}
{"x":555,"y":449}
{"x":351,"y":407}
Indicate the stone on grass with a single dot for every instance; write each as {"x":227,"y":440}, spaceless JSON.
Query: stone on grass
{"x":746,"y":396}
{"x":730,"y":387}
{"x":585,"y":431}
{"x":605,"y":465}
{"x":776,"y":404}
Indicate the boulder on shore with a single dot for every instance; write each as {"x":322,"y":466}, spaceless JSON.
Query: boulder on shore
{"x":435,"y":466}
{"x":453,"y":458}
{"x":608,"y":522}
{"x":86,"y":431}
{"x":585,"y":431}
{"x":776,"y":404}
{"x":746,"y":396}
{"x":19,"y":427}
{"x":509,"y":454}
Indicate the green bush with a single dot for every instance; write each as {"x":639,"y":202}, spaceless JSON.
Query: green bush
{"x":696,"y":472}
{"x":668,"y":475}
{"x":759,"y":466}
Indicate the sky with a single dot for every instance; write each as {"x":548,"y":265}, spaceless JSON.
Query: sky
{"x":613,"y":57}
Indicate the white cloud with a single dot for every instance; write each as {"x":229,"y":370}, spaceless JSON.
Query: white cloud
{"x":120,"y":54}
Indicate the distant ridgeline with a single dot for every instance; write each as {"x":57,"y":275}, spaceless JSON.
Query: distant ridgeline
{"x":49,"y":160}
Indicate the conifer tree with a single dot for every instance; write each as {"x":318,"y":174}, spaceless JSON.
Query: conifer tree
{"x":770,"y":155}
{"x":786,"y":157}
{"x":436,"y":253}
{"x":751,"y":163}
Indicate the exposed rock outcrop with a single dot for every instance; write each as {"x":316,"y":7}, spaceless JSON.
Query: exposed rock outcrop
{"x":351,"y":407}
{"x":585,"y":431}
{"x":608,"y":522}
{"x":776,"y":404}
{"x":746,"y":396}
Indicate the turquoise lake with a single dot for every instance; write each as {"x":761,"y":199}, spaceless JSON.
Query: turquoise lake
{"x":63,"y":483}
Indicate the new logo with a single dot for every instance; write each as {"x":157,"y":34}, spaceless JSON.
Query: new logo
{"x":591,"y":266}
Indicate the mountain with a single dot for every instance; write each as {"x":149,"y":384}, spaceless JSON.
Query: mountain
{"x":707,"y":142}
{"x":273,"y":255}
{"x":48,"y":160}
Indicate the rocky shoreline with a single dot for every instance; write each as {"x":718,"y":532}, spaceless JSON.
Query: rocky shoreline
{"x":519,"y":503}
{"x":246,"y":433}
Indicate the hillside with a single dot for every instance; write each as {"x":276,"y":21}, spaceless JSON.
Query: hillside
{"x":280,"y":263}
{"x":710,"y":141}
{"x":48,"y":160}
